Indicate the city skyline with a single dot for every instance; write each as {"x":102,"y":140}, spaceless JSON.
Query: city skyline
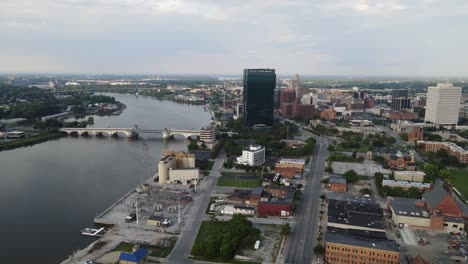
{"x":364,"y":38}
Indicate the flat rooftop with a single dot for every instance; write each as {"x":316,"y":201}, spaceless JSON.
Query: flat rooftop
{"x":361,"y":241}
{"x":407,"y":207}
{"x":351,"y":198}
{"x":355,"y":214}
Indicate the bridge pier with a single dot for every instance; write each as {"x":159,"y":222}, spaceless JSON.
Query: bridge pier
{"x":166,"y":134}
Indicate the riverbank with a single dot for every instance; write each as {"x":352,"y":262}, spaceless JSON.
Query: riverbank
{"x":78,"y":177}
{"x":29,"y":141}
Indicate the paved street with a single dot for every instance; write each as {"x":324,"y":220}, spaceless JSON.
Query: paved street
{"x":300,"y":244}
{"x":195,"y":216}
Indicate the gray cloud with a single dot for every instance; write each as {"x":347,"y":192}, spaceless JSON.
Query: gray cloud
{"x":336,"y":37}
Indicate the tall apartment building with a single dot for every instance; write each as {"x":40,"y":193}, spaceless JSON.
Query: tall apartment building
{"x":259,"y":86}
{"x":443,"y":104}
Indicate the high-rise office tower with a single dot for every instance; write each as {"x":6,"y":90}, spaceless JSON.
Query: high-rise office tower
{"x":443,"y":104}
{"x":399,"y":93}
{"x":401,"y":103}
{"x":259,"y":86}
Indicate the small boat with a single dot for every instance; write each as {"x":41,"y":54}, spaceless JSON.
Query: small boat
{"x":92,"y":232}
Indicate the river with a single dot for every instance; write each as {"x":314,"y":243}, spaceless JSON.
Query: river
{"x":50,"y":191}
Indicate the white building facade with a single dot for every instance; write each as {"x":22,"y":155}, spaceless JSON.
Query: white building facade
{"x":443,"y":104}
{"x":252,"y":155}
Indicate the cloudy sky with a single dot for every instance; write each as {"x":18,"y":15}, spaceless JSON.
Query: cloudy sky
{"x":318,"y":37}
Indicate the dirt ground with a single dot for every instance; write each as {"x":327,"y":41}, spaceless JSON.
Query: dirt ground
{"x":270,"y":245}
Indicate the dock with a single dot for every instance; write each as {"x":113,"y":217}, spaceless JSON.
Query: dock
{"x":92,"y":232}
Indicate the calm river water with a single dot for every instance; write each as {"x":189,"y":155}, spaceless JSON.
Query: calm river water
{"x":50,"y":191}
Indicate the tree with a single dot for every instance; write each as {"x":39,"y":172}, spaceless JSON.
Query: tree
{"x":329,"y":169}
{"x":414,"y":193}
{"x":378,"y":178}
{"x":319,"y":249}
{"x":354,"y":154}
{"x":351,"y":176}
{"x":299,"y":186}
{"x":378,"y":158}
{"x":365,"y":191}
{"x":286,"y":229}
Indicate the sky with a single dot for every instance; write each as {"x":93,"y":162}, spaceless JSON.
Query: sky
{"x":315,"y":37}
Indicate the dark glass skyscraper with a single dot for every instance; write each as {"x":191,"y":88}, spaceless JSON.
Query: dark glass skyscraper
{"x":259,"y":86}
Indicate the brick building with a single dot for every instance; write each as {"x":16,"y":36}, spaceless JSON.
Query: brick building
{"x":328,"y":114}
{"x":279,"y":201}
{"x":415,"y":134}
{"x":337,"y":184}
{"x":359,"y":247}
{"x":451,"y":148}
{"x":289,"y":170}
{"x":290,"y":105}
{"x":438,"y":210}
{"x":402,"y":115}
{"x":401,"y":162}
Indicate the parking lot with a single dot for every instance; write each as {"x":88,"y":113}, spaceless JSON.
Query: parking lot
{"x":368,"y":168}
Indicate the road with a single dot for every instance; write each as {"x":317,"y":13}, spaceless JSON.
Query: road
{"x":303,"y":238}
{"x":196,"y":215}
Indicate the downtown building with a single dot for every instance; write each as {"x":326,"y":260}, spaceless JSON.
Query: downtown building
{"x":295,"y":103}
{"x":443,"y":104}
{"x":356,"y":232}
{"x":258,"y":92}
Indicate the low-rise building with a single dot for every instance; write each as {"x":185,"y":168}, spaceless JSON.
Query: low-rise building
{"x":158,"y":221}
{"x":438,"y":210}
{"x":256,"y":195}
{"x":289,"y":170}
{"x":252,"y":155}
{"x":359,"y":247}
{"x":451,"y":148}
{"x":138,"y":257}
{"x":237,"y":209}
{"x":279,"y":201}
{"x":350,"y":214}
{"x":337,"y":183}
{"x":414,"y":134}
{"x":402,"y":126}
{"x":184,"y":176}
{"x":406,"y":184}
{"x":402,"y":161}
{"x":414,"y":176}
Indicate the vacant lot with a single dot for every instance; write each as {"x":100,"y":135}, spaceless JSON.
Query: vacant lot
{"x":460,"y":181}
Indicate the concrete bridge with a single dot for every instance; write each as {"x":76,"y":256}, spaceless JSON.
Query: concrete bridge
{"x":130,"y":132}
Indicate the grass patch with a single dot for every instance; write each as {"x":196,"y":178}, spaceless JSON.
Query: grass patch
{"x":239,"y":182}
{"x":460,"y":181}
{"x":362,"y":148}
